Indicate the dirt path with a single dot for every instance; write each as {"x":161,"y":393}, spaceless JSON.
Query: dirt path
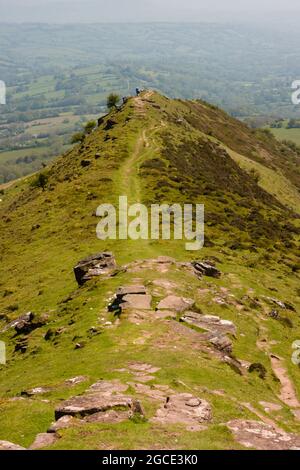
{"x":131,"y":185}
{"x":129,"y":177}
{"x":288,"y":393}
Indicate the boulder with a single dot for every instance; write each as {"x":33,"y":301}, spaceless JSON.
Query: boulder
{"x":93,"y":266}
{"x":206,"y":268}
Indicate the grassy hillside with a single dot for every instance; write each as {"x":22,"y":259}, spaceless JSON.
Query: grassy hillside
{"x":155,"y":150}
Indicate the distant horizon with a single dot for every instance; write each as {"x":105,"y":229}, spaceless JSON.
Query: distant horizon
{"x":146,"y":11}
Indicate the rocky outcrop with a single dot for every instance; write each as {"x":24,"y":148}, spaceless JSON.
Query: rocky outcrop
{"x":206,"y":268}
{"x":217,"y":328}
{"x":19,"y":322}
{"x":209,"y":322}
{"x":31,"y":323}
{"x":93,"y":266}
{"x":101,"y":397}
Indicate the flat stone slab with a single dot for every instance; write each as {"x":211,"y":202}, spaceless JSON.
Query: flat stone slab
{"x":172,"y":302}
{"x":6,"y":445}
{"x":91,"y":403}
{"x":185,"y":409}
{"x":137,"y":289}
{"x":135,"y":301}
{"x":261,"y":436}
{"x":209,"y":322}
{"x":99,"y":398}
{"x":43,"y":440}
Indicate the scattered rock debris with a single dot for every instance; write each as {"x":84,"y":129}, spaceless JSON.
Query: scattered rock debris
{"x":43,"y":390}
{"x":261,"y":436}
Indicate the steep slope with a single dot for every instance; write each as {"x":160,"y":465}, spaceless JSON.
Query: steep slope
{"x":220,"y":347}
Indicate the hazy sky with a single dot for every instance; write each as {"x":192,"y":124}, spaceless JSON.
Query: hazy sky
{"x":144,"y":10}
